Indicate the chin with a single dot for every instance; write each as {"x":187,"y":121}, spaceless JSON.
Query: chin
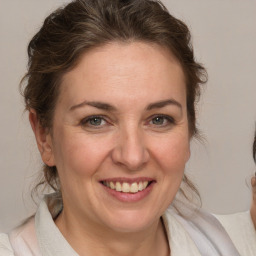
{"x":131,"y":221}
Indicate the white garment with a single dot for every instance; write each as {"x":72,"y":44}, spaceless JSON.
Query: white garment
{"x":195,"y":234}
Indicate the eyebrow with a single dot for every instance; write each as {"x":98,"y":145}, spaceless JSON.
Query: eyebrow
{"x":108,"y":107}
{"x":163,"y":103}
{"x":96,"y":104}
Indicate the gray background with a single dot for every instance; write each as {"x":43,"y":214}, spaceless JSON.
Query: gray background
{"x":224,"y":38}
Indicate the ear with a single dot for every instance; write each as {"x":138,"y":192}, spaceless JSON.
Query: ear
{"x":43,"y":139}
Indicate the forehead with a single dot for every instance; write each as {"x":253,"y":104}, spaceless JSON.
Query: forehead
{"x":134,"y":69}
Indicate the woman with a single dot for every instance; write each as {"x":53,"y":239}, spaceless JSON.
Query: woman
{"x":253,"y":182}
{"x":111,"y":92}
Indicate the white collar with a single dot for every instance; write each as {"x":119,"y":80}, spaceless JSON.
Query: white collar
{"x":50,"y":239}
{"x":197,"y":233}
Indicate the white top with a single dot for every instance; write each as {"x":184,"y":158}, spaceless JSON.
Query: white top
{"x":195,"y":234}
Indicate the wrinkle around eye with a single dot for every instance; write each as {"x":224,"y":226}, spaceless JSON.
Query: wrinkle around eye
{"x":94,"y":122}
{"x":165,"y":121}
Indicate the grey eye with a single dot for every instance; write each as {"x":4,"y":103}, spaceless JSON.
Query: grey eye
{"x":162,"y":121}
{"x":159,"y":120}
{"x":95,"y":121}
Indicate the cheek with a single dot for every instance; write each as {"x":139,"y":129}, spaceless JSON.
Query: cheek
{"x":172,"y":154}
{"x":78,"y":155}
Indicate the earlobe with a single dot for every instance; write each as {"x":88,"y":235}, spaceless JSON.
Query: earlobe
{"x":43,"y":139}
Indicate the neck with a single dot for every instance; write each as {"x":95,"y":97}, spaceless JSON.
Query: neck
{"x":88,"y":238}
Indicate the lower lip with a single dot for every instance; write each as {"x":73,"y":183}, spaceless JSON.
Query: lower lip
{"x":129,"y":197}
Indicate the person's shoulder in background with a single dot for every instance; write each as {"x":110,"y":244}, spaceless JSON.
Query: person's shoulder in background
{"x":5,"y":246}
{"x":241,"y":230}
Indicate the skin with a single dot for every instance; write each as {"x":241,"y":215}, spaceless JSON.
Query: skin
{"x":132,"y":137}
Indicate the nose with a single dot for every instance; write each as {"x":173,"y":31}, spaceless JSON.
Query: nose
{"x":130,"y":150}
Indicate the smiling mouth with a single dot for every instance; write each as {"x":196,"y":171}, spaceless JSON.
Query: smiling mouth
{"x":126,"y":187}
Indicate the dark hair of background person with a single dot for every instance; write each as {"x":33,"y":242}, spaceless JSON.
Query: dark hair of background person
{"x":254,"y":148}
{"x":71,"y":31}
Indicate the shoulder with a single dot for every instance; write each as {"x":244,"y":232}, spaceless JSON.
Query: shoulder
{"x":5,"y":246}
{"x":233,"y":233}
{"x":241,"y":230}
{"x":21,"y":241}
{"x":201,"y":231}
{"x":18,"y":240}
{"x":233,"y":222}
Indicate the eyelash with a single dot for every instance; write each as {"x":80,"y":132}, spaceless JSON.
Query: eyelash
{"x":86,"y":121}
{"x":170,"y":120}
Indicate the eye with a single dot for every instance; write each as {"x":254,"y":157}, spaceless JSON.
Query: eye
{"x":161,"y":120}
{"x":94,"y":121}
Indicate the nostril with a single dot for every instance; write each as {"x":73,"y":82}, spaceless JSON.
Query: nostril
{"x":130,"y":149}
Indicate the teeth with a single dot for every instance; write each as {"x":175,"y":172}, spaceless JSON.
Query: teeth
{"x":134,"y":188}
{"x":112,"y":185}
{"x":118,"y":186}
{"x":145,"y":183}
{"x":126,"y":187}
{"x":140,"y":186}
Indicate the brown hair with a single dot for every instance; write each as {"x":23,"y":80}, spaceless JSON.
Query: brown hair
{"x":70,"y":31}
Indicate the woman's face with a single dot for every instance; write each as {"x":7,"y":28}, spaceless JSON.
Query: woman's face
{"x":120,"y":136}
